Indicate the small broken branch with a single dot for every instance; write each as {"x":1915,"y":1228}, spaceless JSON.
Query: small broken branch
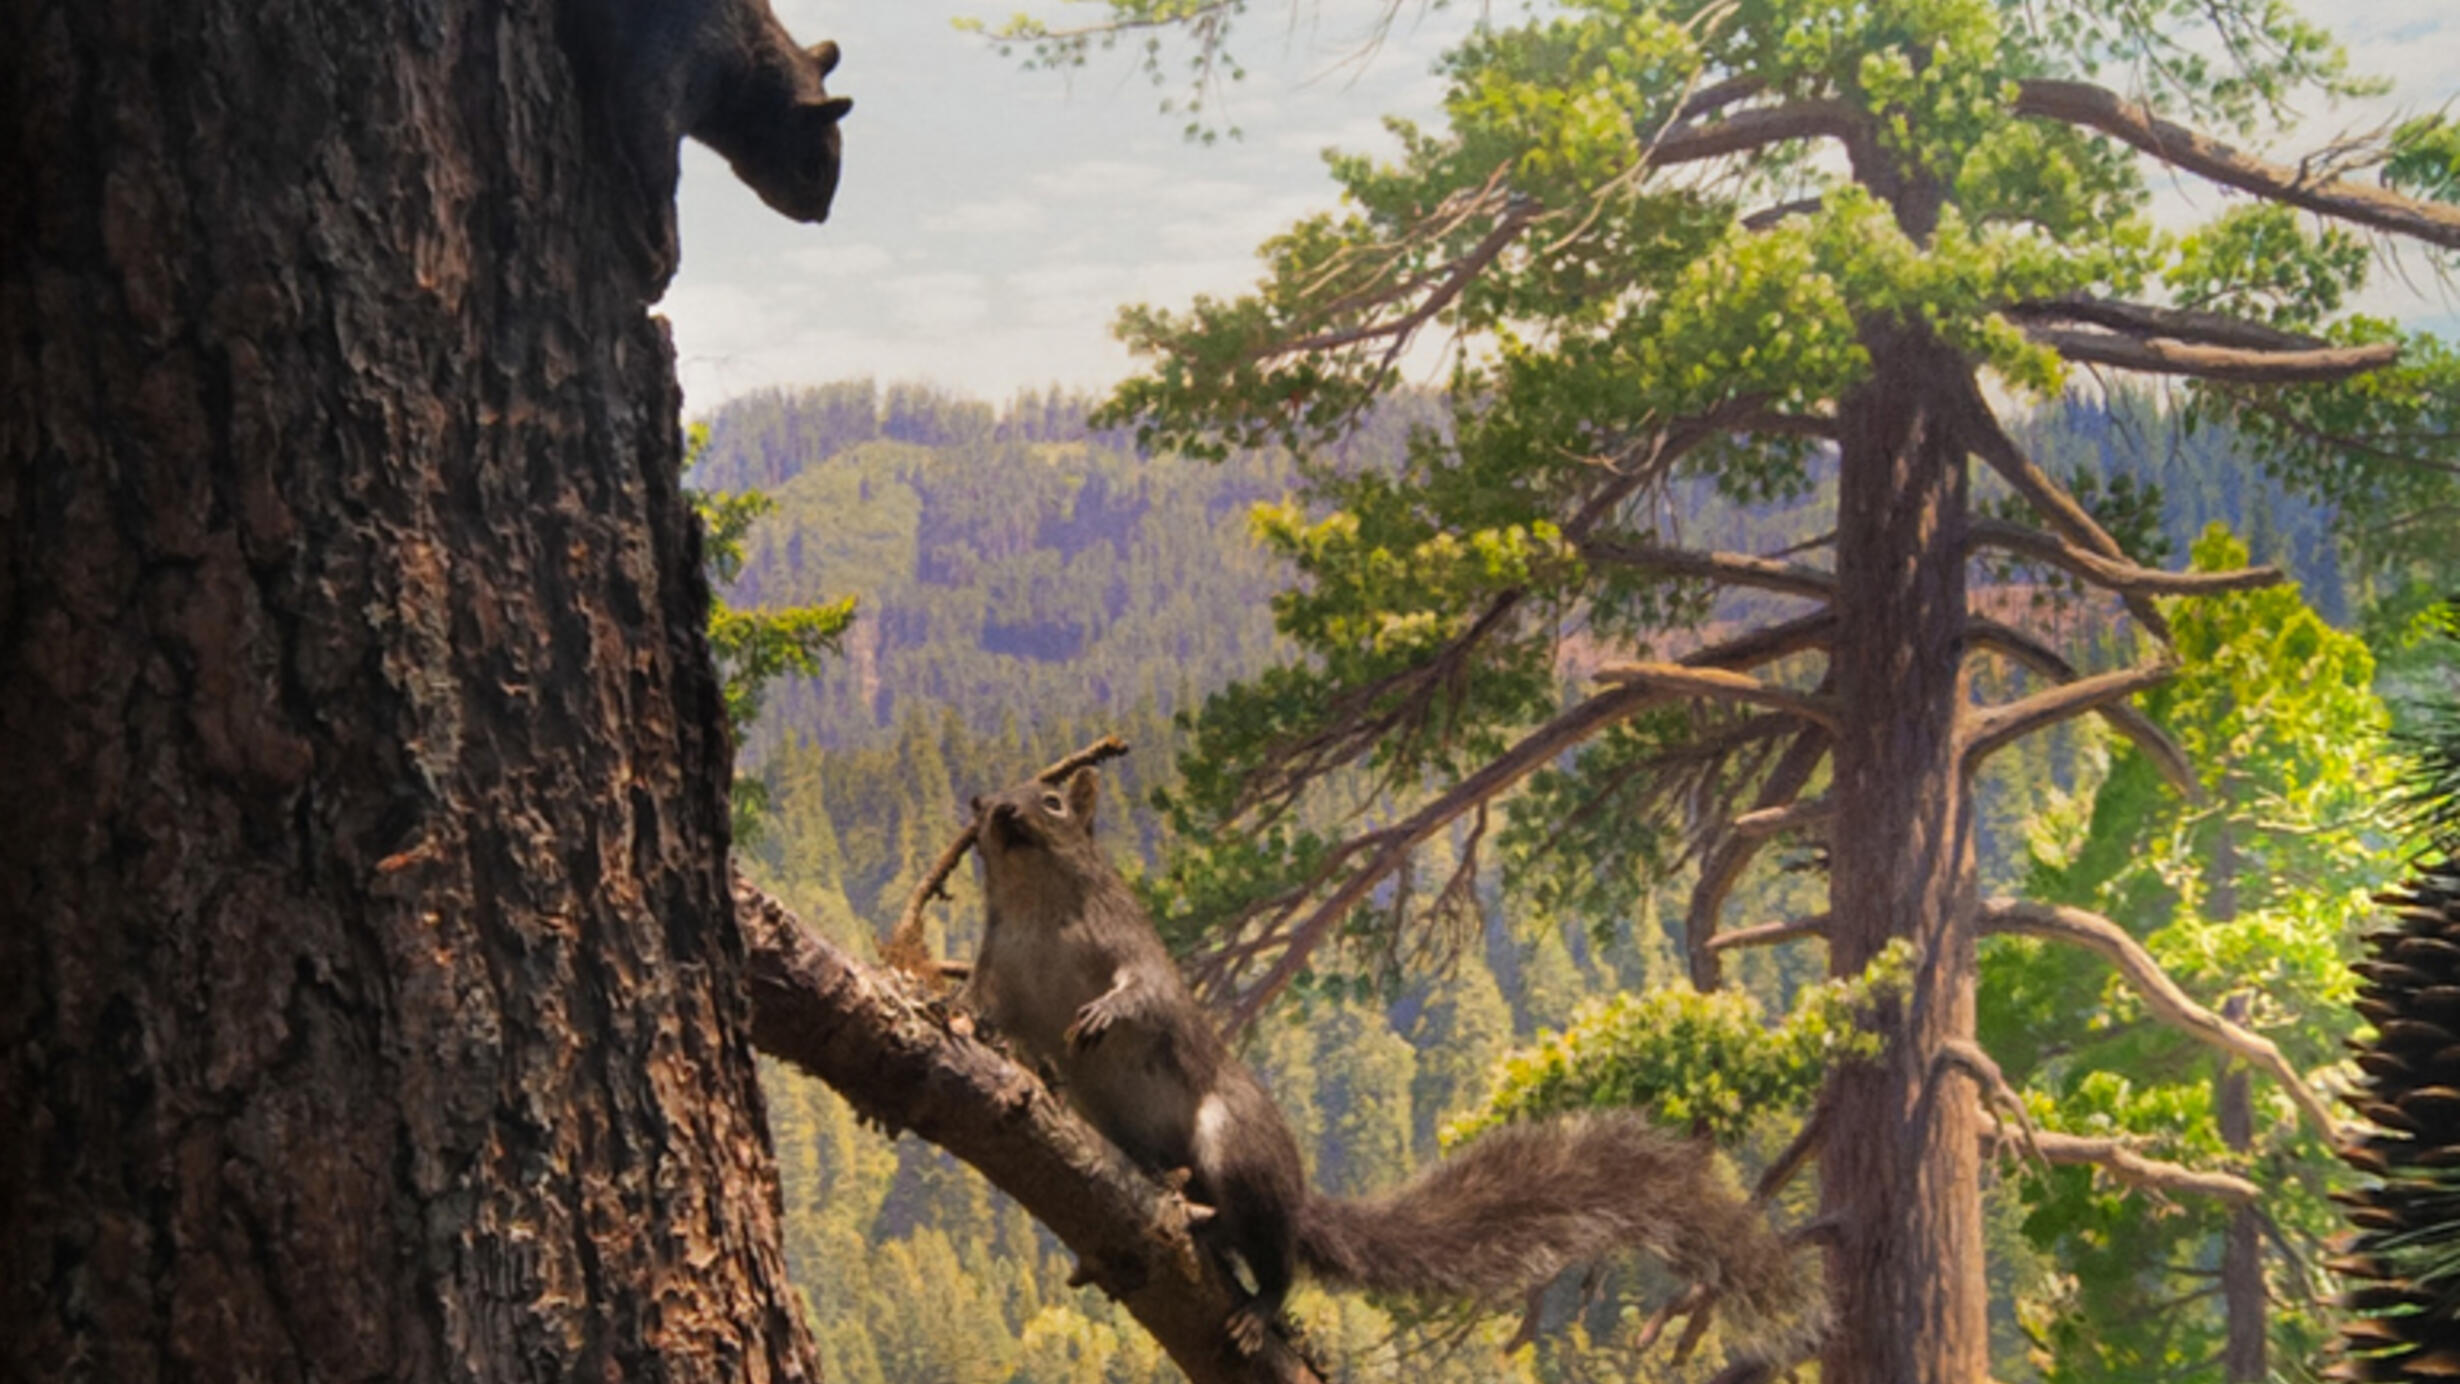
{"x":1733,"y":569}
{"x":1796,"y":1153}
{"x":1718,"y":684}
{"x":2112,"y":574}
{"x":1773,"y":821}
{"x":2097,"y":108}
{"x":2165,"y":753}
{"x":2106,"y":939}
{"x":1967,"y":1056}
{"x":1770,"y":934}
{"x":2164,"y":356}
{"x":892,"y":1055}
{"x":904,"y":948}
{"x":1984,"y":732}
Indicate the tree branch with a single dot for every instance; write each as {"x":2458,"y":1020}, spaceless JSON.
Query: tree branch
{"x":1393,"y":843}
{"x":2111,"y":574}
{"x":2145,"y":320}
{"x":904,"y":947}
{"x":1733,"y":569}
{"x":2097,"y":108}
{"x":1967,"y":1056}
{"x":893,"y":1056}
{"x":1770,"y":934}
{"x":1985,"y":731}
{"x":1717,"y":684}
{"x":2106,"y":939}
{"x":1772,"y":821}
{"x":1518,"y":213}
{"x":1723,"y":866}
{"x":1982,"y":433}
{"x":2121,"y":1161}
{"x":2155,"y":742}
{"x":2164,"y":356}
{"x":1744,"y":131}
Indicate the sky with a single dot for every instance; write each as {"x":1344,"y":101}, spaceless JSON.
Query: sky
{"x":992,"y":220}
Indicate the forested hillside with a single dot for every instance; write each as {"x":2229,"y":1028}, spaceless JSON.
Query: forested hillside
{"x":1027,"y":583}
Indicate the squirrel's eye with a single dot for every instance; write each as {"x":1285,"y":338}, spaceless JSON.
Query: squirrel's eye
{"x":1053,"y":803}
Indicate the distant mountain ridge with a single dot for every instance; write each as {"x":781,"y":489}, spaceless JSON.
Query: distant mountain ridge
{"x":1015,"y":564}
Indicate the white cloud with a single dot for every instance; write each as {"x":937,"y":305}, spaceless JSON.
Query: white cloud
{"x":992,"y":220}
{"x":930,"y":303}
{"x":1003,"y":216}
{"x":842,"y":260}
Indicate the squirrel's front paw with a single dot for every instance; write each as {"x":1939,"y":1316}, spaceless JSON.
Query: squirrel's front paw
{"x":1090,"y":1024}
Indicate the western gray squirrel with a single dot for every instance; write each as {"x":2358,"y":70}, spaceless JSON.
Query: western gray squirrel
{"x":726,"y":73}
{"x":1072,"y":972}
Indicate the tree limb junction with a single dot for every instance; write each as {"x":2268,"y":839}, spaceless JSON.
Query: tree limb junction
{"x":2098,"y":108}
{"x":2111,"y":574}
{"x":2106,"y":939}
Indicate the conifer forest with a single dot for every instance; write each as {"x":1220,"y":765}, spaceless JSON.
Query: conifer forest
{"x":1803,"y":720}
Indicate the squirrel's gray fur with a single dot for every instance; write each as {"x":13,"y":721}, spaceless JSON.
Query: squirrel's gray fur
{"x":1072,"y":972}
{"x":726,"y":73}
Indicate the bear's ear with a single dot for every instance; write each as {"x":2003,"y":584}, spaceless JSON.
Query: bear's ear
{"x":1084,"y":787}
{"x":823,"y":55}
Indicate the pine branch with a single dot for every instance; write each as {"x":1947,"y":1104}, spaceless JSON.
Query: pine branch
{"x":2164,"y":356}
{"x":1746,"y":131}
{"x":1770,"y":934}
{"x":2097,"y":108}
{"x":1732,"y":569}
{"x":2106,"y":939}
{"x":2145,"y":320}
{"x":1717,"y":684}
{"x":2165,"y":753}
{"x":1986,"y":731}
{"x":1793,"y":816}
{"x":2125,"y":578}
{"x":2121,"y":1161}
{"x":1984,"y":437}
{"x":1723,"y":867}
{"x":1392,"y":845}
{"x":896,"y":1059}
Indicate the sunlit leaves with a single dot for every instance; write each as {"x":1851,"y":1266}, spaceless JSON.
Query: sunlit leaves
{"x":1704,"y":1061}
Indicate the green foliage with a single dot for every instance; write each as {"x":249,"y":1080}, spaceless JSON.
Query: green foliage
{"x":753,"y":647}
{"x":2257,"y":892}
{"x":1705,"y":1062}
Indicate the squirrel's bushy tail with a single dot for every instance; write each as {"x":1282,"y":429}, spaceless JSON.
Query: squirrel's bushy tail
{"x":1522,"y":1203}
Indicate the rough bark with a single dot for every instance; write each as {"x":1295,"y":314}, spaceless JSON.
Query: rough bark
{"x":361,"y":1013}
{"x":1900,"y":1168}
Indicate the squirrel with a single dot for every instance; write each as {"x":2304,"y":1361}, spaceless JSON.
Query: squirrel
{"x":726,"y":73}
{"x":1071,"y":970}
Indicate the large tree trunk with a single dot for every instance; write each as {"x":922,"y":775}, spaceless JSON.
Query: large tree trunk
{"x":367,"y":1004}
{"x":1900,"y":1160}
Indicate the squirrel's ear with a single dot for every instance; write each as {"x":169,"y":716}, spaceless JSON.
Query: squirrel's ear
{"x":824,"y":55}
{"x":1083,"y":787}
